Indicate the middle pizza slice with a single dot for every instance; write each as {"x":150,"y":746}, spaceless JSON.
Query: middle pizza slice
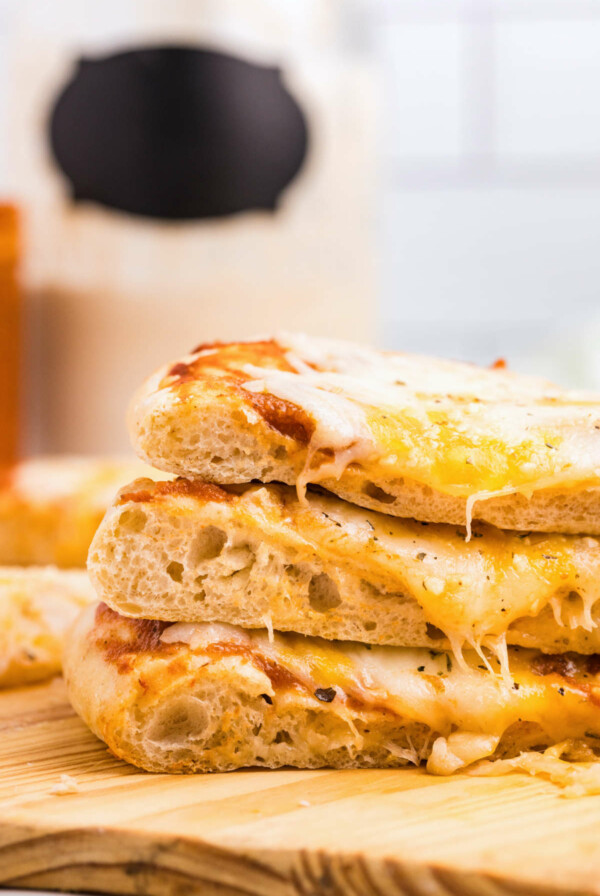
{"x":255,"y":556}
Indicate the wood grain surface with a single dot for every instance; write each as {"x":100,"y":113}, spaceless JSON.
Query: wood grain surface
{"x":265,"y":833}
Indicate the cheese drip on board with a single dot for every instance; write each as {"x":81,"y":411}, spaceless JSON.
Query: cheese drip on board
{"x":467,"y":710}
{"x":581,"y":778}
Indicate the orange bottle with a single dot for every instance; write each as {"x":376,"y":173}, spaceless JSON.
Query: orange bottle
{"x":10,"y":334}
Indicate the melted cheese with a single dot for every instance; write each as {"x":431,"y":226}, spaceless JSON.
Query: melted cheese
{"x":538,"y":590}
{"x":466,"y":708}
{"x":464,"y":431}
{"x":577,"y":779}
{"x":339,"y":426}
{"x":472,"y":592}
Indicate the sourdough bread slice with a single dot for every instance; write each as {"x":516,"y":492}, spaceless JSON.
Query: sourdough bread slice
{"x":410,"y":436}
{"x":186,"y":698}
{"x":256,"y":556}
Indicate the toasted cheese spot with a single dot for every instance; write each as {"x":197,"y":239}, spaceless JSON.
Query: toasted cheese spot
{"x":287,"y":418}
{"x":569,"y":665}
{"x":225,"y":360}
{"x":138,"y":493}
{"x":129,"y":639}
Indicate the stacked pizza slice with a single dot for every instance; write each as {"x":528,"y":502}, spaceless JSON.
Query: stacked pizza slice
{"x":368,"y":559}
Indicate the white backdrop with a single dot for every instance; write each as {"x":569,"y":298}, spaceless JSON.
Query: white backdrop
{"x":487,"y":200}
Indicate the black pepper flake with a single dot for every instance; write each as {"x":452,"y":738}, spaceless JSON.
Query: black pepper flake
{"x":420,"y":668}
{"x":369,"y":523}
{"x":325,"y":695}
{"x":548,"y":445}
{"x":503,"y":609}
{"x":421,"y":523}
{"x":561,"y":691}
{"x":267,"y":699}
{"x":549,"y":557}
{"x":516,"y":686}
{"x":477,"y":534}
{"x":421,"y":555}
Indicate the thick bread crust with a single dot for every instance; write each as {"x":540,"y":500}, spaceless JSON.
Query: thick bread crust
{"x":50,"y":507}
{"x":230,"y":702}
{"x":189,"y":716}
{"x":254,"y":556}
{"x":196,"y":419}
{"x":37,"y":605}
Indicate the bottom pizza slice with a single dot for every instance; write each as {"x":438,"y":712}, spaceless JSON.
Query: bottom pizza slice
{"x":210,"y":697}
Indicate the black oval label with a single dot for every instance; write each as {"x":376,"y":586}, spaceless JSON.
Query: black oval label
{"x":178,"y":133}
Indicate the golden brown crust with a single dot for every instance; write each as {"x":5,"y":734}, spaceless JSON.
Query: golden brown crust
{"x":225,"y":362}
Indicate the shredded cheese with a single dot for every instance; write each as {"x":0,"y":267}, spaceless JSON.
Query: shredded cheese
{"x":339,"y":424}
{"x":576,"y":778}
{"x":65,"y":786}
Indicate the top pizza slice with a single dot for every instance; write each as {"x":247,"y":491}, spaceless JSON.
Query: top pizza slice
{"x":408,"y":435}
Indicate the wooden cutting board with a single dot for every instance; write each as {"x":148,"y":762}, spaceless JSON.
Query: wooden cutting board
{"x":264,"y":833}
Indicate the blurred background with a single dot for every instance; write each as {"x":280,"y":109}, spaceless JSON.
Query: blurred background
{"x":422,"y":174}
